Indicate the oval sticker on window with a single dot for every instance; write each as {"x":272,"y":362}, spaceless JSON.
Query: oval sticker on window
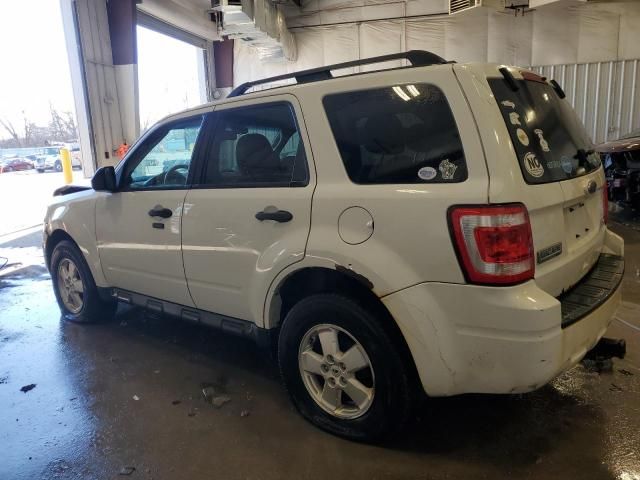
{"x":427,"y":173}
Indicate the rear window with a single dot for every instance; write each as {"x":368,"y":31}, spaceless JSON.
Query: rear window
{"x":401,"y":134}
{"x":549,"y":139}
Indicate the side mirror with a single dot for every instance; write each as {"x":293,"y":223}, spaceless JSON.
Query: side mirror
{"x":104,"y":180}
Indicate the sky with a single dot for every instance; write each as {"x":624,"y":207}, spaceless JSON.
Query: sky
{"x":34,"y":68}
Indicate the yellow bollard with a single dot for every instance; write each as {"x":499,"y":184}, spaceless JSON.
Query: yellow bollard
{"x":65,"y":155}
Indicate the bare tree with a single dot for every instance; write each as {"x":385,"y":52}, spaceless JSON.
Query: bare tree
{"x":11,"y":130}
{"x":62,"y":125}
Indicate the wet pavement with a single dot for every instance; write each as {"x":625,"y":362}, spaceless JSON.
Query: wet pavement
{"x":128,"y":395}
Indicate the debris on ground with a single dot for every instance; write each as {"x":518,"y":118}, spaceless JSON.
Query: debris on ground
{"x":244,"y":413}
{"x":625,"y":372}
{"x":210,"y":396}
{"x":598,"y":365}
{"x":4,"y":379}
{"x":176,"y":402}
{"x":615,"y":388}
{"x":208,"y":393}
{"x":27,"y":388}
{"x":191,"y":414}
{"x":126,"y":470}
{"x":220,"y":400}
{"x":136,"y":397}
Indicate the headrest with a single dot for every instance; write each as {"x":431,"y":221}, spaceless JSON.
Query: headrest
{"x":383,"y":133}
{"x":254,"y":152}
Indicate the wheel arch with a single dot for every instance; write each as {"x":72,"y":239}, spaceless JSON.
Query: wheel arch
{"x":54,"y":239}
{"x":310,"y":280}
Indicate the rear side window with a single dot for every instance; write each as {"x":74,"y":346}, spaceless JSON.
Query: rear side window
{"x":400,"y":134}
{"x":549,"y":139}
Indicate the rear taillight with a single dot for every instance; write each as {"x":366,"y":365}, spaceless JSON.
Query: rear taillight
{"x":605,"y":203}
{"x":494,"y":243}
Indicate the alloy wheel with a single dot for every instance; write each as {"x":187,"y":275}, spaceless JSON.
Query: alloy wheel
{"x":70,"y":285}
{"x":336,"y":371}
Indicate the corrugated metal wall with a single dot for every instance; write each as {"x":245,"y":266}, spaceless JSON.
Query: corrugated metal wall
{"x":604,"y":94}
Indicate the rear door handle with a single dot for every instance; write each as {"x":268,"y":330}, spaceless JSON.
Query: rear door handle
{"x":281,"y":216}
{"x":160,"y":211}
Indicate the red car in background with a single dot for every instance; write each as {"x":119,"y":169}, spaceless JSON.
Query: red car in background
{"x":15,"y":164}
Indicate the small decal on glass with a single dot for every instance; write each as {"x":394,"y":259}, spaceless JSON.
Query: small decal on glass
{"x":427,"y":173}
{"x":594,"y":159}
{"x":447,"y":169}
{"x":567,"y":164}
{"x":508,"y":103}
{"x":522,"y":136}
{"x":514,"y":118}
{"x":533,"y":165}
{"x":543,"y":143}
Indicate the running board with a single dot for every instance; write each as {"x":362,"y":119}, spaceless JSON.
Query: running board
{"x":235,"y":326}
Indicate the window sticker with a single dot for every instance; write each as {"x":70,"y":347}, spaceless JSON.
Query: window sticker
{"x":427,"y":173}
{"x":508,"y":103}
{"x":514,"y":118}
{"x":522,"y":136}
{"x":567,"y":164}
{"x":447,"y":169}
{"x":533,"y":165}
{"x":543,"y":143}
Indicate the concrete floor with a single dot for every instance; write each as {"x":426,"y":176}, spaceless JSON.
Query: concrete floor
{"x":128,"y":394}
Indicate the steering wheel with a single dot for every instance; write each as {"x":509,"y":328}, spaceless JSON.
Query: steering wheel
{"x":173,"y":171}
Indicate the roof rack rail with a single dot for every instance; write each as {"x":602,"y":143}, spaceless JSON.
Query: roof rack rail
{"x":418,"y":58}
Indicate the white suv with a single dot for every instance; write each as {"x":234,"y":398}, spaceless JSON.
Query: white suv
{"x":437,"y":227}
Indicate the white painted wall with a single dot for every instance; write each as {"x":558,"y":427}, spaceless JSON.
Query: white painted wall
{"x":565,"y":32}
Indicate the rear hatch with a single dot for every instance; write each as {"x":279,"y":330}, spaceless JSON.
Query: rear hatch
{"x":563,"y":178}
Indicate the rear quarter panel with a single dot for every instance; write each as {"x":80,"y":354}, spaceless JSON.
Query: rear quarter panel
{"x":410,"y":243}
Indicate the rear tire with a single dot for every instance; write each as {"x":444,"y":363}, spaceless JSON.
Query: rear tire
{"x":40,"y":170}
{"x":58,"y":167}
{"x":74,"y":287}
{"x":375,"y":404}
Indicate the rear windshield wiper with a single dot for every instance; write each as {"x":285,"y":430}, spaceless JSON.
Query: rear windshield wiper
{"x":508,"y":77}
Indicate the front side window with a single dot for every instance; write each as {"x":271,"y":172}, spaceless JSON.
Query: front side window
{"x":163,"y":161}
{"x":399,"y":134}
{"x":257,"y":146}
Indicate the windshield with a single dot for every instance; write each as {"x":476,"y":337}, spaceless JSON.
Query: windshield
{"x":549,"y":139}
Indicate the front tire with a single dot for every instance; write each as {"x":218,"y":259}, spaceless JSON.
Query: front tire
{"x":74,"y":287}
{"x":343,"y":370}
{"x":58,"y":166}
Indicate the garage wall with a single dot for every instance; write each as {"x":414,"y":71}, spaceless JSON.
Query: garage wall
{"x":604,"y":94}
{"x":591,"y":49}
{"x":573,"y":32}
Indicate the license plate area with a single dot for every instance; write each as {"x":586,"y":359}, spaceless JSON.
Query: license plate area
{"x":581,"y":222}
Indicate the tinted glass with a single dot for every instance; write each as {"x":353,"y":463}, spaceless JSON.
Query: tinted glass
{"x":257,"y":146}
{"x":550,"y":141}
{"x":400,"y":134}
{"x":163,"y":160}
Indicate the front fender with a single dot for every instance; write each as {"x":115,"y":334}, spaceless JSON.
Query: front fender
{"x":75,"y":214}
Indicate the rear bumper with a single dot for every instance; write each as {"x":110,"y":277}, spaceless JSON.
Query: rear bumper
{"x":469,"y":338}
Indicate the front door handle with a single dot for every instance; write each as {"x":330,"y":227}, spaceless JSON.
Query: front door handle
{"x":159,"y":211}
{"x":281,"y":216}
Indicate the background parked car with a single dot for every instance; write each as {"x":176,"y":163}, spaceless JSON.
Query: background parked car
{"x":15,"y":164}
{"x":52,"y":160}
{"x":621,"y":160}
